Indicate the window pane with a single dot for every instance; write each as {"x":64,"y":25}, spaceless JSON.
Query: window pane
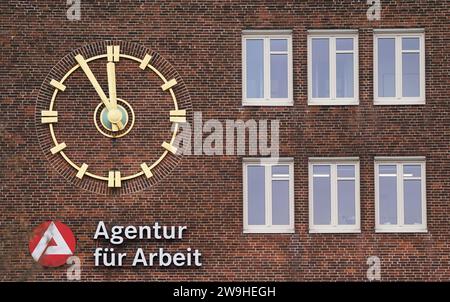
{"x":280,"y":170}
{"x":278,"y":44}
{"x":320,"y":68}
{"x":346,"y":171}
{"x":280,"y":202}
{"x":346,"y":201}
{"x":388,"y":195}
{"x":344,"y":44}
{"x":344,"y":75}
{"x":410,"y":44}
{"x":322,"y":196}
{"x":411,"y":74}
{"x":321,"y":170}
{"x":413,"y":201}
{"x":256,"y":195}
{"x":412,"y":170}
{"x":386,"y":67}
{"x":388,"y":169}
{"x":279,"y":76}
{"x":255,"y":68}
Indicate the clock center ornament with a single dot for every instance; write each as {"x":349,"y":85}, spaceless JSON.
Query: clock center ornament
{"x":110,"y":119}
{"x":101,"y":110}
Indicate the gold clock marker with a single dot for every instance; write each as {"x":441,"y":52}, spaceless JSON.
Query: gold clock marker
{"x":178,"y":116}
{"x":169,"y":147}
{"x":177,"y":112}
{"x":82,"y":171}
{"x":114,"y":179}
{"x":57,"y":85}
{"x":169,"y":84}
{"x":178,"y":119}
{"x":117,"y":179}
{"x":146,"y":170}
{"x":116,"y":53}
{"x":58,"y":148}
{"x":49,"y":116}
{"x":145,"y":61}
{"x":109,"y":53}
{"x":113,"y":53}
{"x":111,"y":179}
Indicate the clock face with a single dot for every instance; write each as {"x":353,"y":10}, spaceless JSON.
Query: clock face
{"x":108,"y":117}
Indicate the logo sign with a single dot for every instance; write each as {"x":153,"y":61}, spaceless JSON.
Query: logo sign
{"x":52,"y":243}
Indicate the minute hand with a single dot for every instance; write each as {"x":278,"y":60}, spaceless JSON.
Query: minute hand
{"x":111,"y":69}
{"x":93,"y":80}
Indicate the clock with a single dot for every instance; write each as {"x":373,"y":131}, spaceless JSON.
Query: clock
{"x":109,"y":117}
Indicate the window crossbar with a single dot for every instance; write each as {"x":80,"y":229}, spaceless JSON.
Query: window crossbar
{"x":321,"y":175}
{"x":388,"y":175}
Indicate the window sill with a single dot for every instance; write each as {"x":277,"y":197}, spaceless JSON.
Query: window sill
{"x":275,"y":103}
{"x":268,"y":231}
{"x":399,"y":102}
{"x":335,"y":102}
{"x":334,"y":230}
{"x":397,"y":229}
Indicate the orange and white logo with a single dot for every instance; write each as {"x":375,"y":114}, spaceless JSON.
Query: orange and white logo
{"x":52,"y":243}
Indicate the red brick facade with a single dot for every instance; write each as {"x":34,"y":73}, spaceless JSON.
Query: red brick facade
{"x":202,"y":42}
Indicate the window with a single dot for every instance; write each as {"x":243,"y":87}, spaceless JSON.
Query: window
{"x":267,"y":68}
{"x":268,"y":195}
{"x":399,"y":67}
{"x":400,"y":194}
{"x":334,"y":195}
{"x":333,"y":67}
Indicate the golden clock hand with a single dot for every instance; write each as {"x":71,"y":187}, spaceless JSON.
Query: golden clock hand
{"x":111,"y":69}
{"x":93,"y":80}
{"x":111,"y":110}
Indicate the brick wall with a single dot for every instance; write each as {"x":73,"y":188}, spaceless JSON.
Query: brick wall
{"x":202,"y":41}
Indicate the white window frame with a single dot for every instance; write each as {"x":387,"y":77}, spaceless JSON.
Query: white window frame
{"x":400,"y":227}
{"x":334,"y":227}
{"x":332,"y":35}
{"x":398,"y":34}
{"x":268,"y":163}
{"x":267,"y":35}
